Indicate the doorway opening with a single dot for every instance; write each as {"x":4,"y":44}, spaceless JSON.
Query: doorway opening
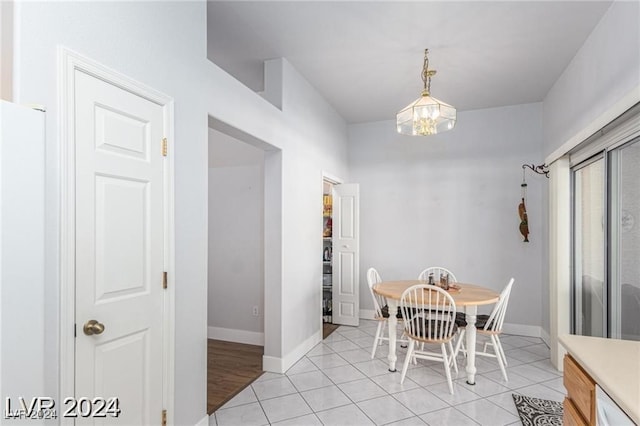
{"x":328,"y":326}
{"x":243,"y":180}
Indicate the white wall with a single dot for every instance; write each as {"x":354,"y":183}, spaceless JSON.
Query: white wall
{"x":162,"y":44}
{"x":236,"y":240}
{"x":22,"y":267}
{"x":604,"y":72}
{"x":452,"y":200}
{"x":6,"y":50}
{"x":605,"y":69}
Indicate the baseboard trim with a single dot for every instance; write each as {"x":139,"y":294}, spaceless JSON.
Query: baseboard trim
{"x":281,"y":365}
{"x":203,"y":422}
{"x":367,"y":314}
{"x":522,"y":330}
{"x":544,"y":335}
{"x":236,"y":336}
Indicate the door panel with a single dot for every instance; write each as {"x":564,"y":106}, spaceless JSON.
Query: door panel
{"x":119,"y":249}
{"x":346,"y":249}
{"x":122,"y":263}
{"x":624,"y":245}
{"x":589,"y":250}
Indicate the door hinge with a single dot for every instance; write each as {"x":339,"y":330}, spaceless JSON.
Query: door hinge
{"x":164,"y":280}
{"x":164,"y":417}
{"x":164,"y":147}
{"x":74,"y":331}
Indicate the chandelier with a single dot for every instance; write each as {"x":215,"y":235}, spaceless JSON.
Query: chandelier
{"x":426,"y":115}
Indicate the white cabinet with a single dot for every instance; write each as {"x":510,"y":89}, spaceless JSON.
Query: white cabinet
{"x":22,"y":238}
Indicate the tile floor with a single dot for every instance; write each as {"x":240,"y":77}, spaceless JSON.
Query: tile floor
{"x":337,"y":383}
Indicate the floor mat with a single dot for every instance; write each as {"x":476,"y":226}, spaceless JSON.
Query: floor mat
{"x":538,"y":412}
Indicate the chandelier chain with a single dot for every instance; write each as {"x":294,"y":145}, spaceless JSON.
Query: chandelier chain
{"x":426,"y":78}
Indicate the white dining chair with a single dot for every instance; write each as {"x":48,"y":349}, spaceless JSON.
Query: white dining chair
{"x":429,"y":328}
{"x":437,"y":272}
{"x":381,"y":311}
{"x":489,"y":326}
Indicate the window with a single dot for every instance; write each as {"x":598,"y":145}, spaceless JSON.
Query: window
{"x":606,"y":241}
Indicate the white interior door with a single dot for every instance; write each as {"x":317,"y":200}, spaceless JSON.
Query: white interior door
{"x":119,"y":250}
{"x":346,"y":254}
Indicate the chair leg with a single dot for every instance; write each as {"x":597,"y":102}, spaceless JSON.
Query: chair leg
{"x":504,"y":357}
{"x":445,"y":359}
{"x":453,"y":357}
{"x":459,"y":343}
{"x":377,"y":340}
{"x":496,"y":346}
{"x":406,"y":360}
{"x":404,"y":335}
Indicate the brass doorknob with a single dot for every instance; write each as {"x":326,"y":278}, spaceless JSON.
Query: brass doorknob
{"x":93,"y":327}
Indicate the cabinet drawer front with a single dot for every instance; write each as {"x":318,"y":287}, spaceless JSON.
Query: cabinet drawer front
{"x":570,"y":415}
{"x":580,"y":388}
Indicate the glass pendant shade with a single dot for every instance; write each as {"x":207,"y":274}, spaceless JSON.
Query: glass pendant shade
{"x":426,"y":116}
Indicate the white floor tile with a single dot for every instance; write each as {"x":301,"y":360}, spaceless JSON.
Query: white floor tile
{"x":515,"y":380}
{"x":328,"y":360}
{"x":556,"y":384}
{"x":522,"y":354}
{"x":384,"y":410}
{"x":343,"y":345}
{"x":348,"y":415}
{"x":373,"y":367}
{"x":540,"y":349}
{"x":285,"y":407}
{"x":505,"y":400}
{"x":541,"y":391}
{"x":340,"y":382}
{"x":528,"y":370}
{"x":319,"y":349}
{"x":273,"y":388}
{"x":303,"y":366}
{"x":334,"y":337}
{"x":391,"y":383}
{"x":267,"y":375}
{"x":344,"y":373}
{"x":325,"y":398}
{"x":245,"y":396}
{"x":546,"y":365}
{"x":310,"y":380}
{"x":515,"y":341}
{"x":461,"y":393}
{"x":448,"y":417}
{"x":308,"y":420}
{"x":356,"y":333}
{"x":486,"y":387}
{"x":361,"y":390}
{"x":427,"y":376}
{"x":357,"y":355}
{"x":366,"y":342}
{"x":487,"y":413}
{"x":249,"y":414}
{"x":420,"y":401}
{"x":411,"y":421}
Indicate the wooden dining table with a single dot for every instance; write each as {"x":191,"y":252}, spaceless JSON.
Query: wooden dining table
{"x":469,"y":296}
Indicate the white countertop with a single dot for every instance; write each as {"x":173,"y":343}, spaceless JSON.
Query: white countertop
{"x":614,"y":364}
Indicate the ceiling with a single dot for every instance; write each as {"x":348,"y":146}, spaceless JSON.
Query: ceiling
{"x":366,"y":58}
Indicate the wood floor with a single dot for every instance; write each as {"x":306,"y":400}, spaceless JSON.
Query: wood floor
{"x":230,"y":368}
{"x":233,"y":366}
{"x":327,"y":329}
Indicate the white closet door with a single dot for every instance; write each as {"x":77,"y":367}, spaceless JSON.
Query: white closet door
{"x":346,"y":254}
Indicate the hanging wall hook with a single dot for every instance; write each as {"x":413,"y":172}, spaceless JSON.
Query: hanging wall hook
{"x":542,"y":169}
